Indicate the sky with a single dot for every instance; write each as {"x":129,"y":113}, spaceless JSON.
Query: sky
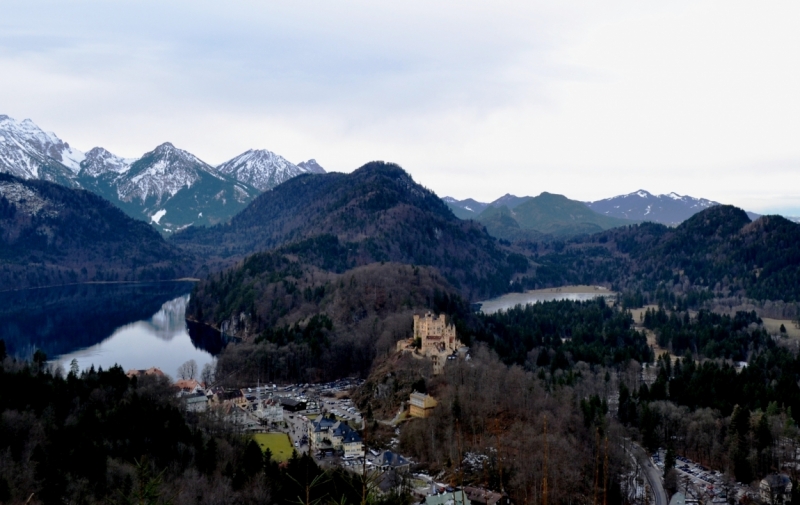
{"x":473,"y":98}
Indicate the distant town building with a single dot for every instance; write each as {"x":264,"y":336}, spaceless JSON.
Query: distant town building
{"x":421,"y":405}
{"x":482,"y":496}
{"x":269,"y":411}
{"x":233,"y":398}
{"x":776,"y":489}
{"x":150,"y":371}
{"x":452,"y":498}
{"x":196,"y":402}
{"x":326,"y":432}
{"x":188,"y":386}
{"x":433,"y":338}
{"x":389,"y":460}
{"x":292,"y":404}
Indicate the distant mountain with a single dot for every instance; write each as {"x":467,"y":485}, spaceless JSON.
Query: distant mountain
{"x":671,"y":209}
{"x":510,"y":201}
{"x":465,"y":209}
{"x":168,"y":188}
{"x":261,"y":169}
{"x":377,"y":213}
{"x":50,"y":234}
{"x":469,"y":208}
{"x":311,"y":166}
{"x":719,"y":249}
{"x":529,"y":218}
{"x":30,"y":153}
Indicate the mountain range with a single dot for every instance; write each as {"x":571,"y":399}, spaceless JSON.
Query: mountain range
{"x":167,"y":187}
{"x":530,"y":218}
{"x":669,"y":209}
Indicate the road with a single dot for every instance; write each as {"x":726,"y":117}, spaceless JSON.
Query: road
{"x":652,"y":474}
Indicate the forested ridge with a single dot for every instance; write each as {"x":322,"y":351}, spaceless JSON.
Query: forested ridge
{"x":50,"y":234}
{"x":304,"y":323}
{"x":717,"y":250}
{"x":546,"y":216}
{"x":375,"y":214}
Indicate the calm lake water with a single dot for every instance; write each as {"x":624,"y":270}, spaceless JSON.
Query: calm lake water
{"x":510,"y":300}
{"x":133,"y":325}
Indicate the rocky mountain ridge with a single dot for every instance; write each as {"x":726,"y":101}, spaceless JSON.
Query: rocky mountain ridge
{"x":167,"y":187}
{"x":670,"y":209}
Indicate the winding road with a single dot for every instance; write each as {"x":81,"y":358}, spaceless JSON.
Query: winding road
{"x":652,"y":474}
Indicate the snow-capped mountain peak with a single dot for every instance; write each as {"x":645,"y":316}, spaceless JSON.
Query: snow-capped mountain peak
{"x":160,"y":174}
{"x":670,"y":208}
{"x":260,"y":168}
{"x":167,"y":186}
{"x":31,"y":153}
{"x":99,"y":161}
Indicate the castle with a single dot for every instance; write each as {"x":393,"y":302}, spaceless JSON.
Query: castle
{"x":436,"y":339}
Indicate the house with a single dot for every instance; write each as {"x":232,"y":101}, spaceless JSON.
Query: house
{"x":451,"y":498}
{"x":353,"y":445}
{"x":150,"y":371}
{"x":235,"y":398}
{"x":269,"y":411}
{"x":481,"y":496}
{"x":326,"y":432}
{"x":391,"y":461}
{"x":196,"y":402}
{"x":292,"y":404}
{"x":188,"y":386}
{"x":775,"y":489}
{"x":433,"y":338}
{"x":421,"y":405}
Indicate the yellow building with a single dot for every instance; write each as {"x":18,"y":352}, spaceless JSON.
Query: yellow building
{"x":420,"y":405}
{"x":437,"y":339}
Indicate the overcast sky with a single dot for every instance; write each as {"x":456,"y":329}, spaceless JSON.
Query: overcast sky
{"x":473,"y":98}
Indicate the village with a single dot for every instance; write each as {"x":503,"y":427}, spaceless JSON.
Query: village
{"x":322,"y":420}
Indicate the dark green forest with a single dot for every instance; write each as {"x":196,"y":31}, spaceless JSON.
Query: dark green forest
{"x":99,"y":437}
{"x":66,"y":236}
{"x":717,"y":250}
{"x":375,"y":214}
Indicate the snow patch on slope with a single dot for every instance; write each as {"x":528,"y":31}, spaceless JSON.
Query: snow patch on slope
{"x":156,"y":218}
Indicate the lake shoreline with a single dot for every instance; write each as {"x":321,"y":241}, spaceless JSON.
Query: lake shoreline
{"x":94,"y":283}
{"x":574,"y":293}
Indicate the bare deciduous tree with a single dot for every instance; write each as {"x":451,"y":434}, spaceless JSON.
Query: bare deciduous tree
{"x":188,"y":370}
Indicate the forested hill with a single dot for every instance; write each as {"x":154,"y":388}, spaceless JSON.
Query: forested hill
{"x":307,"y":324}
{"x":375,"y":214}
{"x":50,"y":234}
{"x":547,"y":213}
{"x":718,"y":249}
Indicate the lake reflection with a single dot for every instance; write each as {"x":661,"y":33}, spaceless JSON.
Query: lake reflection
{"x":133,"y":325}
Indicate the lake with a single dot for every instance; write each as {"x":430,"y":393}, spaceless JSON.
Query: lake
{"x":137,"y":326}
{"x":511,"y":300}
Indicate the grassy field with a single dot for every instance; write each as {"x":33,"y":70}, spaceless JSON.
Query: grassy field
{"x":773,"y":326}
{"x":278,"y":443}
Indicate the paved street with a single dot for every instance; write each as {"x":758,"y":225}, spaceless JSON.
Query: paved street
{"x":652,"y":474}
